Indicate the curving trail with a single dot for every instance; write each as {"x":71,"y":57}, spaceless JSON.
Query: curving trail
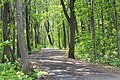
{"x":61,"y":68}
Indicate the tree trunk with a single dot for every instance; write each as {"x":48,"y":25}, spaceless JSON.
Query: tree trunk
{"x":31,"y":34}
{"x":6,"y":32}
{"x":94,"y":30}
{"x":116,"y":27}
{"x":38,"y":40}
{"x":18,"y":50}
{"x":59,"y":38}
{"x":64,"y":32}
{"x":27,"y":25}
{"x":72,"y":41}
{"x":72,"y":23}
{"x":14,"y":28}
{"x":47,"y":26}
{"x":35,"y":30}
{"x":103,"y":28}
{"x":22,"y":48}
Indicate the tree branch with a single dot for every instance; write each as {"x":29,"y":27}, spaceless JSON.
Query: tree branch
{"x":64,"y":10}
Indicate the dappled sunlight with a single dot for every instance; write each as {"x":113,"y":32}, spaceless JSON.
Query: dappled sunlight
{"x":68,"y":75}
{"x":58,"y":70}
{"x":58,"y":67}
{"x":69,"y":62}
{"x":80,"y":69}
{"x":56,"y":57}
{"x":51,"y":61}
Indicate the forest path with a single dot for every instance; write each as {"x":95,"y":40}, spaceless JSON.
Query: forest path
{"x":59,"y":67}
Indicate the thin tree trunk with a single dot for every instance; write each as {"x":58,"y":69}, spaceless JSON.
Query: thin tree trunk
{"x":27,"y":25}
{"x":38,"y":40}
{"x":35,"y":30}
{"x":14,"y":36}
{"x":59,"y":38}
{"x":76,"y":27}
{"x":116,"y":27}
{"x":14,"y":28}
{"x":64,"y":32}
{"x":103,"y":28}
{"x":94,"y":30}
{"x":31,"y":34}
{"x":18,"y":50}
{"x":48,"y":33}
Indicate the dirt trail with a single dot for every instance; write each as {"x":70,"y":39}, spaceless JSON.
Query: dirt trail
{"x":60,"y":68}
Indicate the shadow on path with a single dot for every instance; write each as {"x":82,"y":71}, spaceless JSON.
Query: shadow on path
{"x":61,"y":68}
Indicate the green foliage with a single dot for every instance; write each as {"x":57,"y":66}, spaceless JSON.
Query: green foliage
{"x":84,"y":49}
{"x":9,"y":71}
{"x":34,"y":50}
{"x":43,"y":11}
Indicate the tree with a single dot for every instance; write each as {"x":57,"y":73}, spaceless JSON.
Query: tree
{"x":64,"y":32}
{"x":27,"y":24}
{"x":103,"y":27}
{"x":72,"y":23}
{"x":47,"y":27}
{"x":94,"y":30}
{"x":6,"y":32}
{"x":116,"y":27}
{"x":22,"y":48}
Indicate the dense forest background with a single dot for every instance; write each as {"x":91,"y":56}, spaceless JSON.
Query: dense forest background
{"x":88,"y":29}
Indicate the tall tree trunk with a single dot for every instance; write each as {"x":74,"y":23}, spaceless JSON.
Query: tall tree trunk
{"x":14,"y":28}
{"x":31,"y":34}
{"x":72,"y":23}
{"x":103,"y":28}
{"x":36,"y":36}
{"x":14,"y":36}
{"x":94,"y":30}
{"x":22,"y":48}
{"x":72,"y":30}
{"x":27,"y":25}
{"x":116,"y":27}
{"x":64,"y":32}
{"x":5,"y":29}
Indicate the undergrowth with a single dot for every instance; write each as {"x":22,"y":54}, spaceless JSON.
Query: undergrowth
{"x":10,"y":71}
{"x":106,"y":49}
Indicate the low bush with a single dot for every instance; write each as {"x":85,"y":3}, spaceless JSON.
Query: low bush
{"x":10,"y":71}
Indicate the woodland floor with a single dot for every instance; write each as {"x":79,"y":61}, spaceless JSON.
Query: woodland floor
{"x":59,"y":67}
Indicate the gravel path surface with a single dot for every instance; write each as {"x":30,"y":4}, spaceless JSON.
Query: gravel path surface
{"x":59,"y":67}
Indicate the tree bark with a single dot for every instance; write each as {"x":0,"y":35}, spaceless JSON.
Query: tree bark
{"x":27,"y":25}
{"x":94,"y":30}
{"x":103,"y":28}
{"x":116,"y":27}
{"x":22,"y":48}
{"x":36,"y":36}
{"x":5,"y":29}
{"x":72,"y":23}
{"x":64,"y":32}
{"x":6,"y":32}
{"x":47,"y":26}
{"x":59,"y":42}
